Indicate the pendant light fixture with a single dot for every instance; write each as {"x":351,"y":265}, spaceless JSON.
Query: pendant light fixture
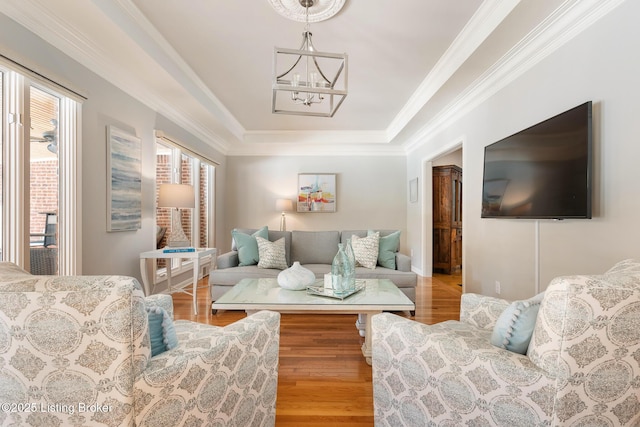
{"x":308,"y":82}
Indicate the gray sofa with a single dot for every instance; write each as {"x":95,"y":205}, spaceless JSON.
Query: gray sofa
{"x":314,"y":250}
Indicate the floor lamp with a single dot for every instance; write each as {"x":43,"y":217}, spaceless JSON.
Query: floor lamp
{"x":284,"y":205}
{"x":177,"y":196}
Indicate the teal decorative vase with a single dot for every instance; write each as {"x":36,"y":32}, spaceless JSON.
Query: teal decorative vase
{"x":350,"y":275}
{"x":340,"y":271}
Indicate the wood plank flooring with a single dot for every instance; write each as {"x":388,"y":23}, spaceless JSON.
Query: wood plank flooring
{"x":323,"y":379}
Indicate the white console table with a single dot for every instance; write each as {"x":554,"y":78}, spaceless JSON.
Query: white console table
{"x":197,"y":256}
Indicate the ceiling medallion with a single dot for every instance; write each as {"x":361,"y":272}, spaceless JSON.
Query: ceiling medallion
{"x":296,"y":11}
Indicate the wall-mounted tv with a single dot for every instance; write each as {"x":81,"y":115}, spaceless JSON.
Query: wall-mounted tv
{"x":543,"y":171}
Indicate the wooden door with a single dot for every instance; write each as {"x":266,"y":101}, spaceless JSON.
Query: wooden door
{"x":447,"y":219}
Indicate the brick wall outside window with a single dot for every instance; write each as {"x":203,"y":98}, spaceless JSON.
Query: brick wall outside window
{"x":204,"y":190}
{"x":44,"y":193}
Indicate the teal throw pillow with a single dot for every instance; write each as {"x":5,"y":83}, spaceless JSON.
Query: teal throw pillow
{"x":248,"y":246}
{"x":515,"y":325}
{"x":161,"y":330}
{"x":387,"y":248}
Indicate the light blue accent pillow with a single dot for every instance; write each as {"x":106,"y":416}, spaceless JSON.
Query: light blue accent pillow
{"x":161,"y":330}
{"x":248,"y":246}
{"x":515,"y":325}
{"x":387,"y":248}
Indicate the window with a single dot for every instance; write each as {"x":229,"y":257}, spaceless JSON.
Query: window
{"x":175,"y":164}
{"x":38,"y":166}
{"x":44,"y":183}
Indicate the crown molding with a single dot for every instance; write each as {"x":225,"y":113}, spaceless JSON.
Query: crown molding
{"x":316,"y":137}
{"x":43,"y":19}
{"x":316,"y":143}
{"x":486,"y":19}
{"x":567,"y":21}
{"x":207,"y":119}
{"x":316,"y":149}
{"x":171,"y":61}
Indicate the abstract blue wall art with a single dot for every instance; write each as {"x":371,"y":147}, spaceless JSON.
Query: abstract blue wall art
{"x":124,"y":181}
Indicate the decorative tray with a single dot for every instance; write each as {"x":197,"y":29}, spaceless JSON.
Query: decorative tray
{"x":319,"y":289}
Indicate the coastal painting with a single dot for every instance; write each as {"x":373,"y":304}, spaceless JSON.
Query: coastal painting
{"x":124,"y":181}
{"x":316,"y":192}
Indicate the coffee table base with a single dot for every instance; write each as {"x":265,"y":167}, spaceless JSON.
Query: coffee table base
{"x":363,"y":324}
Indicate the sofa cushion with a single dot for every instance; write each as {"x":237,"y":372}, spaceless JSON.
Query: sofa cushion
{"x":231,"y":276}
{"x":161,"y":330}
{"x":348,"y":234}
{"x":314,"y":247}
{"x":272,"y":254}
{"x":319,"y":269}
{"x":387,"y":248}
{"x":365,"y":250}
{"x":514,"y":327}
{"x":248,"y":246}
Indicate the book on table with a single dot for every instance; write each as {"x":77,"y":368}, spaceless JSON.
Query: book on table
{"x":170,"y":250}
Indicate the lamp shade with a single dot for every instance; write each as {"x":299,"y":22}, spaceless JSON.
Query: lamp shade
{"x":284,"y":205}
{"x":176,"y":196}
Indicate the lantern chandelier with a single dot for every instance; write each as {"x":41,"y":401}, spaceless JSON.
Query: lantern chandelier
{"x":307,"y":82}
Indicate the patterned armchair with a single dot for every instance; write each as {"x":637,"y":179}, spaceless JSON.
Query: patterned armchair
{"x":76,"y":351}
{"x":582,"y":367}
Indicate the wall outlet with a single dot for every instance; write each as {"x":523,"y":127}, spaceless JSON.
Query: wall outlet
{"x":497,"y":287}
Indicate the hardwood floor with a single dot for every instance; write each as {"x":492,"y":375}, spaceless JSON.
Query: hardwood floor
{"x":323,"y":379}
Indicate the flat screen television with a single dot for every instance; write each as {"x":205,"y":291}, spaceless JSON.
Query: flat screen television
{"x":543,"y":171}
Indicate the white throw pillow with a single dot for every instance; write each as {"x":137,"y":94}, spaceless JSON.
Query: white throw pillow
{"x":272,"y":254}
{"x":365,"y":249}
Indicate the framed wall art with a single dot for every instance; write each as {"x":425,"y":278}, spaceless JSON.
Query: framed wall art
{"x":316,"y":192}
{"x":124,"y":180}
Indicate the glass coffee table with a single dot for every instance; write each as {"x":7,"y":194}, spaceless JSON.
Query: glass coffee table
{"x":376,"y":296}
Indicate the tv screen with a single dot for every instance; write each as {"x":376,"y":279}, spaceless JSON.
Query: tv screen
{"x":543,"y":171}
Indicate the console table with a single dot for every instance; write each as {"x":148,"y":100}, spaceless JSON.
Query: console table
{"x":197,"y":256}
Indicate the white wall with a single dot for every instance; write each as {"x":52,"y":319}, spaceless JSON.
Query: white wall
{"x":371,"y":193}
{"x":601,"y":64}
{"x":102,"y":252}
